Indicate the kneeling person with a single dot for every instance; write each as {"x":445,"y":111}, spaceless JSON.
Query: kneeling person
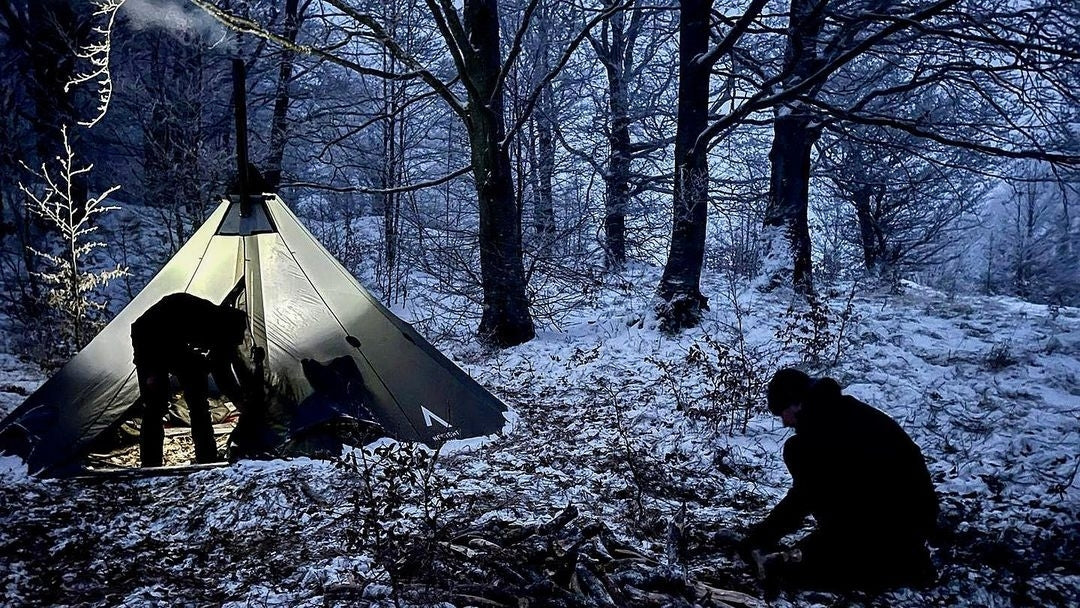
{"x":864,"y":481}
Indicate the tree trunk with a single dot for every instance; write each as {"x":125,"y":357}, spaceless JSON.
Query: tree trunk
{"x":506,"y":320}
{"x":867,"y":239}
{"x":787,"y":230}
{"x":681,"y":299}
{"x":615,"y":52}
{"x":278,"y":124}
{"x":1026,"y":245}
{"x":390,"y":178}
{"x":544,"y":209}
{"x":789,"y":194}
{"x":617,"y":176}
{"x":392,"y":170}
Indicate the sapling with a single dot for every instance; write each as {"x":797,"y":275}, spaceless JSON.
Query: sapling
{"x":73,"y":288}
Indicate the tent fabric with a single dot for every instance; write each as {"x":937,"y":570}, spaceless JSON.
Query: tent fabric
{"x":256,"y":222}
{"x":301,"y":304}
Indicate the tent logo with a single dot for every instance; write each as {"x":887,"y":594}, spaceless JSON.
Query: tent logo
{"x":429,"y":417}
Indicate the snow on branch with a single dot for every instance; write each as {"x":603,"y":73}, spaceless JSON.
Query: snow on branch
{"x":57,"y":204}
{"x":97,"y":53}
{"x":71,"y":287}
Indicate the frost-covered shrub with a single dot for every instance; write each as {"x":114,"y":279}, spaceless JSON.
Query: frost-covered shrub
{"x":817,"y":333}
{"x":718,"y":383}
{"x":72,"y":286}
{"x":398,"y":505}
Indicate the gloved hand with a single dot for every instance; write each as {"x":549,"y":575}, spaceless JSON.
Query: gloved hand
{"x":749,"y":550}
{"x":771,"y":568}
{"x":758,"y":539}
{"x":729,"y":540}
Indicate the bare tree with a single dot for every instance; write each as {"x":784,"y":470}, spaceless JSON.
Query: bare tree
{"x":39,"y":42}
{"x":1018,"y":60}
{"x":629,"y":45}
{"x":910,"y":199}
{"x":970,"y":56}
{"x":1031,"y":237}
{"x":681,"y":301}
{"x":71,"y":286}
{"x":544,"y":118}
{"x":615,"y":45}
{"x":472,"y":38}
{"x":282,"y":96}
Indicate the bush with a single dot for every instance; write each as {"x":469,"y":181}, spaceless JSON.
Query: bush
{"x":817,"y":333}
{"x":397,"y":507}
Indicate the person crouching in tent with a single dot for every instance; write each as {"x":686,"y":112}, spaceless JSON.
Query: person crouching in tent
{"x":188,"y":337}
{"x":254,"y":435}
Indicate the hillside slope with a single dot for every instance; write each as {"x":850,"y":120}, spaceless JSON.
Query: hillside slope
{"x":630,"y":459}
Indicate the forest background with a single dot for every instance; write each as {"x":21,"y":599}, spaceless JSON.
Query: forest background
{"x":522,"y":155}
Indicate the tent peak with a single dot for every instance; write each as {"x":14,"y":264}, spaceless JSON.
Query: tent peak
{"x":257,"y":221}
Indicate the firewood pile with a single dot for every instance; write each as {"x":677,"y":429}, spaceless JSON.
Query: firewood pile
{"x":564,"y":562}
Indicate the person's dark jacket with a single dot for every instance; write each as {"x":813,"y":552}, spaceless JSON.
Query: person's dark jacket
{"x":856,"y":471}
{"x":168,"y":331}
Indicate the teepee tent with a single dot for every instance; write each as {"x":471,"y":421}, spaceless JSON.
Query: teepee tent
{"x":302,"y":306}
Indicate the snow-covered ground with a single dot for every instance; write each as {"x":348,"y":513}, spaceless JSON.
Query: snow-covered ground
{"x":637,"y":431}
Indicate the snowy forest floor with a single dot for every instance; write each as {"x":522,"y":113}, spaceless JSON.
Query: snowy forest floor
{"x":629,"y":456}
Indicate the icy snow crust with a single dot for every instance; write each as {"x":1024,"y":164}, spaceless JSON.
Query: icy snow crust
{"x":989,"y":387}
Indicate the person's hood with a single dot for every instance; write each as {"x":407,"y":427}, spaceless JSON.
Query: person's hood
{"x":822,"y":392}
{"x":821,"y":398}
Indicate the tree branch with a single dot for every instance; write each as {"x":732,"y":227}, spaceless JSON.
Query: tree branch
{"x":766,"y":97}
{"x":515,"y":48}
{"x":378,"y":34}
{"x":915,"y":129}
{"x":395,"y":190}
{"x":733,"y":35}
{"x":527,"y":108}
